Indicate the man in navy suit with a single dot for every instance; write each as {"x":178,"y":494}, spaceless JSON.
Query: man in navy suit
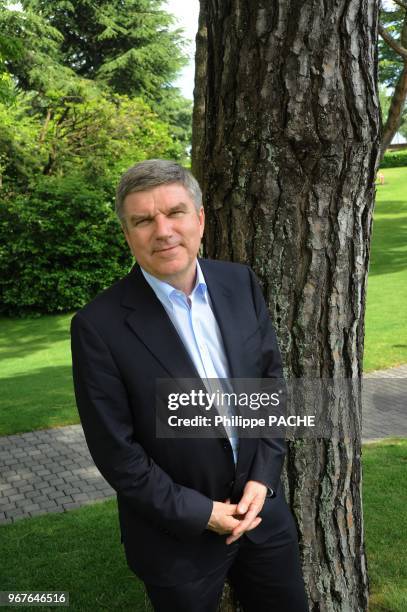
{"x":192,"y":512}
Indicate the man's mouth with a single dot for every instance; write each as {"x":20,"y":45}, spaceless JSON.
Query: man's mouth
{"x":165,"y":249}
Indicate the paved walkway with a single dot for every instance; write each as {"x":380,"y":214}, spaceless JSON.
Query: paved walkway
{"x":384,"y":412}
{"x":51,"y":470}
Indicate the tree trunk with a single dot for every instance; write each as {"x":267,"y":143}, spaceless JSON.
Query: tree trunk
{"x":398,"y":100}
{"x":291,"y":148}
{"x":198,"y":116}
{"x":395,"y":111}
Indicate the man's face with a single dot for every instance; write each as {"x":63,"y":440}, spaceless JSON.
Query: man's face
{"x":163,"y":230}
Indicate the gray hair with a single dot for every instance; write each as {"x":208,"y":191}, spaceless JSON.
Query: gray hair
{"x":152,"y":173}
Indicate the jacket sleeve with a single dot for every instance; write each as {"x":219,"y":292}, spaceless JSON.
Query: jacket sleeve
{"x":106,"y":418}
{"x":269,"y":459}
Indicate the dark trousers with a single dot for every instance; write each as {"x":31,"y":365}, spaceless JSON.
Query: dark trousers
{"x":265,"y":577}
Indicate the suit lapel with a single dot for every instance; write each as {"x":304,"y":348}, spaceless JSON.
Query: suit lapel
{"x":149,"y":321}
{"x":230,"y":325}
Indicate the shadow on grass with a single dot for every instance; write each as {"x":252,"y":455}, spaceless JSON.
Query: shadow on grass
{"x":389,"y":242}
{"x":391,"y":207}
{"x":78,"y":552}
{"x":21,"y":337}
{"x":38,"y":400}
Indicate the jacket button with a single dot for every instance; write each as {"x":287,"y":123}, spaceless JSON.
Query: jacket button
{"x":232,"y":484}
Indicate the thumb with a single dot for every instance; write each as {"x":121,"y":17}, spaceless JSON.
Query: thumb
{"x":242,"y":506}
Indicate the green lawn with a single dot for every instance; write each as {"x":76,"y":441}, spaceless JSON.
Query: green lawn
{"x":80,"y":551}
{"x":386,"y":315}
{"x":35,"y":377}
{"x":385,"y":509}
{"x":77,"y":551}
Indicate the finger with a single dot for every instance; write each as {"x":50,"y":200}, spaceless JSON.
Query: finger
{"x":255,"y":500}
{"x":232,"y":538}
{"x":248,"y":519}
{"x":228,"y":525}
{"x":255,"y":523}
{"x":244,"y":503}
{"x":228,"y":509}
{"x":251,"y":514}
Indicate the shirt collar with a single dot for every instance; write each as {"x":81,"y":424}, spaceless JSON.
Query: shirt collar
{"x":166,"y":292}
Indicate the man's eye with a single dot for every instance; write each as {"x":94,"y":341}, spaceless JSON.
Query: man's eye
{"x":176,"y":213}
{"x":142,"y":222}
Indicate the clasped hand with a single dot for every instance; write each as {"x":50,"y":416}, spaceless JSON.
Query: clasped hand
{"x":236,"y":519}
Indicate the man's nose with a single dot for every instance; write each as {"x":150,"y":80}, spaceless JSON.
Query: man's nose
{"x":163,"y":227}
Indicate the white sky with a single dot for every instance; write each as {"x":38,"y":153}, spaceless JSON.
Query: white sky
{"x":187,"y":13}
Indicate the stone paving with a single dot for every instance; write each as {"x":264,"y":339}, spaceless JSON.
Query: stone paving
{"x":51,"y":470}
{"x":45,"y":471}
{"x":385,"y":404}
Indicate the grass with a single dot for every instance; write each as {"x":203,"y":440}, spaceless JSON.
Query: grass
{"x":385,"y":509}
{"x":79,"y":551}
{"x":386,"y":313}
{"x":35,"y":378}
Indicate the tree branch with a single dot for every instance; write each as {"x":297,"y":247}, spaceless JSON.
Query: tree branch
{"x":45,"y":127}
{"x":392,"y":43}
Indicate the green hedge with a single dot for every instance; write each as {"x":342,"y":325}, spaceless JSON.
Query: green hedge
{"x":394,"y":159}
{"x":60,"y":245}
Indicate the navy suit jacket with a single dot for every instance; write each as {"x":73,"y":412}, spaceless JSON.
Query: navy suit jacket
{"x":122,"y":342}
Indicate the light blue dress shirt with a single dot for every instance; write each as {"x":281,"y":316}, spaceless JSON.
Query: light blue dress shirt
{"x":198,"y":329}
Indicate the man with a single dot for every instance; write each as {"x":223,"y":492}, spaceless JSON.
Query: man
{"x":192,"y":511}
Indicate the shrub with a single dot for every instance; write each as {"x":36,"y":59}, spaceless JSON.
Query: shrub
{"x":60,"y":245}
{"x":396,"y":159}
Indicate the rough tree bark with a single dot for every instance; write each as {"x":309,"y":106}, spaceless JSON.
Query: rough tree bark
{"x":198,"y":116}
{"x":291,"y":149}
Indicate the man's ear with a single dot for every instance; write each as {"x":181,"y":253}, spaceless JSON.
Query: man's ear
{"x":126,"y":235}
{"x":201,"y":216}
